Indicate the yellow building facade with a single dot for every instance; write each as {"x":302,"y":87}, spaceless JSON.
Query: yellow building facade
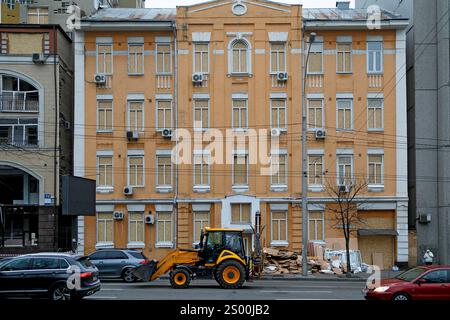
{"x":182,"y":114}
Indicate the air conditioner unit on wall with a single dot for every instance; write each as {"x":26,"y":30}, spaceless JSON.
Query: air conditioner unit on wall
{"x":344,"y":189}
{"x":320,"y":134}
{"x":197,"y":77}
{"x":275,"y":132}
{"x":38,"y":58}
{"x":425,"y":218}
{"x":149,"y":219}
{"x":99,"y":78}
{"x":128,"y":191}
{"x":118,"y":215}
{"x":282,"y":76}
{"x":167,"y":133}
{"x":132,"y":135}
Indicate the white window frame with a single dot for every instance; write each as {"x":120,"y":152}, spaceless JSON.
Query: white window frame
{"x":279,"y":187}
{"x":136,"y":222}
{"x":337,"y":114}
{"x":158,"y":127}
{"x":279,"y":242}
{"x":240,"y":154}
{"x":338,"y":177}
{"x":382,"y":115}
{"x":104,"y":60}
{"x":104,"y":154}
{"x":96,"y":228}
{"x":240,"y":222}
{"x":202,"y":224}
{"x":371,"y":54}
{"x":317,"y":47}
{"x":158,"y":185}
{"x":315,"y":226}
{"x":233,"y":125}
{"x":136,"y":55}
{"x":38,"y":13}
{"x":112,"y":115}
{"x":202,"y":174}
{"x":278,"y":54}
{"x":137,"y":154}
{"x":351,"y":57}
{"x":201,"y":60}
{"x":164,"y":244}
{"x":129,"y":114}
{"x":284,"y":128}
{"x":194,"y":100}
{"x":310,"y":128}
{"x":314,"y":186}
{"x":165,"y":72}
{"x":375,"y":186}
{"x":248,"y":56}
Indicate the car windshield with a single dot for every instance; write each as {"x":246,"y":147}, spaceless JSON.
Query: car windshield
{"x":410,"y":275}
{"x":137,"y":254}
{"x":85,"y":262}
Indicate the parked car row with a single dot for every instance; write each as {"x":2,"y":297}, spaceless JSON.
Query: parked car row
{"x":61,"y":276}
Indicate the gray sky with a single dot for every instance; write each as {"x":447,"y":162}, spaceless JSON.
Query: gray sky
{"x":306,"y":3}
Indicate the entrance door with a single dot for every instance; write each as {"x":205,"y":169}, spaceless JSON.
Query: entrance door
{"x":247,"y":244}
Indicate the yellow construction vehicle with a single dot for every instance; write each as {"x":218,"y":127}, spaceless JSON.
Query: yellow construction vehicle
{"x":220,"y":255}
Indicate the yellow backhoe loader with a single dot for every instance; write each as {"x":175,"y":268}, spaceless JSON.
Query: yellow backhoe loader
{"x":220,"y":255}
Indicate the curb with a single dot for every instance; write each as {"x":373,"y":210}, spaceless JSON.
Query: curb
{"x":312,"y":278}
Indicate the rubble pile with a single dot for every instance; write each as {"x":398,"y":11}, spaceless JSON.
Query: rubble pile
{"x":282,"y":261}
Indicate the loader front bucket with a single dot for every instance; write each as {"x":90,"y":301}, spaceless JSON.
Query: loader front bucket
{"x":145,"y":271}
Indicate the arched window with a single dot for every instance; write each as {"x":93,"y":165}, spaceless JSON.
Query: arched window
{"x":17,"y":95}
{"x":239,"y":56}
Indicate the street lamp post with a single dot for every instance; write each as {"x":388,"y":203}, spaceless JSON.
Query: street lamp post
{"x":312,"y":37}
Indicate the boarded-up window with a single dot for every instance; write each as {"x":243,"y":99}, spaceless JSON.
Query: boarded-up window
{"x":136,"y":115}
{"x":240,"y":56}
{"x":315,"y":172}
{"x":375,"y":114}
{"x":278,"y":116}
{"x":164,"y":114}
{"x":241,"y":213}
{"x":164,"y":170}
{"x":136,"y":59}
{"x":344,"y":114}
{"x":240,"y":170}
{"x":240,"y":112}
{"x":201,"y":220}
{"x":104,"y":115}
{"x":201,"y":170}
{"x":164,"y":227}
{"x":315,"y":60}
{"x":316,"y":226}
{"x":345,"y":170}
{"x":344,"y":57}
{"x":25,"y":43}
{"x":104,"y":171}
{"x":315,"y":114}
{"x":279,"y":170}
{"x":163,"y":59}
{"x":201,"y":113}
{"x":279,"y":226}
{"x":136,"y":171}
{"x":135,"y":227}
{"x":376,"y":169}
{"x":277,"y":57}
{"x":201,"y":57}
{"x":105,"y":226}
{"x":37,"y":15}
{"x":105,"y":58}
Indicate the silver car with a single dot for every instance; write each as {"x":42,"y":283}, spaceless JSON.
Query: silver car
{"x":117,"y":263}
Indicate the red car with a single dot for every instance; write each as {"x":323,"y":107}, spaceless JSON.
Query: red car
{"x":421,"y":283}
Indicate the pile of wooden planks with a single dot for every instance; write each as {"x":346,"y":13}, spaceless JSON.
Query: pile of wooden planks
{"x":282,"y":261}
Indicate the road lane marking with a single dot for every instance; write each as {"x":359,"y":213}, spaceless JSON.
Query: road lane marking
{"x":295,"y":291}
{"x":111,"y":289}
{"x":101,"y":297}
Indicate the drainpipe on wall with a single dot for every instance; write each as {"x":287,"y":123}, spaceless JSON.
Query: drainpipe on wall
{"x":175,"y":96}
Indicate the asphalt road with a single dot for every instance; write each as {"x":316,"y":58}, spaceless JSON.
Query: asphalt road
{"x":209,"y":290}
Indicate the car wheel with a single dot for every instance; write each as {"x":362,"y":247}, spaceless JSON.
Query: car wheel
{"x":60,"y":293}
{"x":128,"y":276}
{"x":400,"y":297}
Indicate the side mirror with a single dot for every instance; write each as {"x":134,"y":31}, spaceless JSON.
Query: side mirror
{"x":421,"y":281}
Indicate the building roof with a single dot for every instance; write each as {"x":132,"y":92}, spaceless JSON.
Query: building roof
{"x":132,"y":15}
{"x":335,"y":14}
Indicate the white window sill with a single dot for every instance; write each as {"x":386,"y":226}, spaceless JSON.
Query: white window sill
{"x":164,"y":74}
{"x":345,"y":130}
{"x":315,"y":74}
{"x":240,"y":188}
{"x":279,"y":243}
{"x":375,"y":73}
{"x":243,"y":74}
{"x":376,"y":130}
{"x":240,"y":129}
{"x":201,"y":129}
{"x":202,"y":189}
{"x":104,"y":131}
{"x":282,"y":130}
{"x":136,"y":245}
{"x":101,"y":245}
{"x":164,"y":245}
{"x":278,"y":188}
{"x":105,"y":190}
{"x":167,"y":189}
{"x":375,"y":188}
{"x":159,"y":130}
{"x":319,"y":242}
{"x":135,"y":74}
{"x":316,"y":188}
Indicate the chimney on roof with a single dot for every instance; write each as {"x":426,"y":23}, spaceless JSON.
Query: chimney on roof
{"x":343,"y":5}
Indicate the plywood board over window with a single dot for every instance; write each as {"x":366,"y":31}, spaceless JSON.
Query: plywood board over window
{"x":25,"y":43}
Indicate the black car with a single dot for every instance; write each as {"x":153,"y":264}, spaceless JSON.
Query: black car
{"x":55,"y":275}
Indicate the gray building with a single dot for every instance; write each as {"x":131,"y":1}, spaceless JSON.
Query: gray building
{"x":428,"y":76}
{"x":36,"y":112}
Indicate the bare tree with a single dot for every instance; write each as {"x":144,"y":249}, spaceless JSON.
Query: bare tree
{"x":345,"y":210}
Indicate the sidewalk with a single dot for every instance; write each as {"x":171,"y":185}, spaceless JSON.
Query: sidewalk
{"x":359,"y":277}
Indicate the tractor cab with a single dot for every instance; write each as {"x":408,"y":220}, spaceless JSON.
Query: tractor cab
{"x":214,"y":241}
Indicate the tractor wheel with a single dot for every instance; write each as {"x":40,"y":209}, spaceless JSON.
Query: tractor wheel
{"x":180,"y":279}
{"x":230,"y":274}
